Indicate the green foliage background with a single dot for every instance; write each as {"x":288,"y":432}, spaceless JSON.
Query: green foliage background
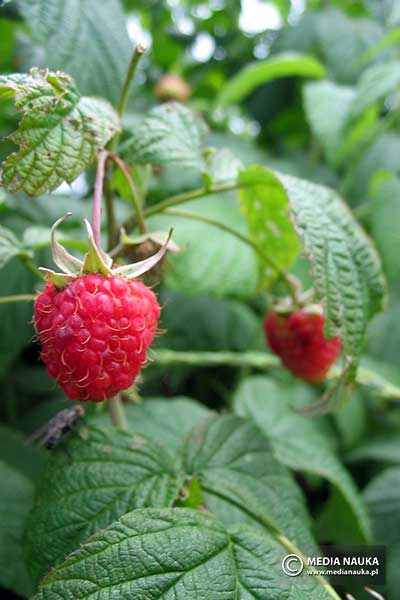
{"x":316,"y":98}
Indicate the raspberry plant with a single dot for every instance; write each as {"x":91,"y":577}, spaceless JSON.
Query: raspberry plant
{"x":213,"y":465}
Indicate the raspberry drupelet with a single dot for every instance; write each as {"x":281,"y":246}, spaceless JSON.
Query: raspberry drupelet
{"x":95,"y":332}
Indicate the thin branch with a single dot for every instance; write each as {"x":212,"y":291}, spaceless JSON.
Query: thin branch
{"x":97,"y":195}
{"x":383,"y":389}
{"x":132,"y":187}
{"x":186,"y":196}
{"x":290,"y":284}
{"x":117,"y":413}
{"x":136,"y":56}
{"x":110,"y":213}
{"x":17,"y":298}
{"x":31,"y":266}
{"x":130,"y":223}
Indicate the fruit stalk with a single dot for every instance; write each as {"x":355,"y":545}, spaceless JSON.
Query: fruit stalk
{"x":97,"y":195}
{"x":117,"y":413}
{"x":132,"y":187}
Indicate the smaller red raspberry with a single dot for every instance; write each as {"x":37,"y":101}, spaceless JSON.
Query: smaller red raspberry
{"x":95,"y":333}
{"x":298,"y":339}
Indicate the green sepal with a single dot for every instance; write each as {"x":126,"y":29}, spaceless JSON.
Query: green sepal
{"x":134,"y":270}
{"x":158,"y":237}
{"x":68,"y":263}
{"x":95,"y":260}
{"x":60,"y":280}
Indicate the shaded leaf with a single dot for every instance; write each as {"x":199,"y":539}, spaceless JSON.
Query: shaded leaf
{"x":171,"y":133}
{"x":88,"y":484}
{"x":16,"y":497}
{"x":383,"y":218}
{"x":241,"y":480}
{"x":9,"y":246}
{"x":211,"y":261}
{"x":343,"y":40}
{"x":382,"y":497}
{"x":87,"y":39}
{"x":298,"y":441}
{"x":327,"y":105}
{"x":18,"y":454}
{"x":376,"y":82}
{"x":287,"y":64}
{"x":164,"y":420}
{"x":379,"y":448}
{"x":15,"y":317}
{"x":181,"y":554}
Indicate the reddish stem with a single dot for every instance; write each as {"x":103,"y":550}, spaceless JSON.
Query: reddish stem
{"x":97,"y":195}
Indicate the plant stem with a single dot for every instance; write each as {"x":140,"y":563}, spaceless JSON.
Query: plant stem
{"x":98,"y":192}
{"x":292,"y":288}
{"x":132,"y":187}
{"x":111,"y":221}
{"x":179,"y":199}
{"x":17,"y":298}
{"x":186,"y":196}
{"x":263,"y":360}
{"x":117,"y":413}
{"x":30,"y":265}
{"x":136,"y":56}
{"x":110,"y":213}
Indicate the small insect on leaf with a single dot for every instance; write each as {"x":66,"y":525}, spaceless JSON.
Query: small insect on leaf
{"x":58,"y":427}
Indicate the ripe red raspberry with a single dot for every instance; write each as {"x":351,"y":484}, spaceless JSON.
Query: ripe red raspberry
{"x":298,"y":339}
{"x":95,"y":333}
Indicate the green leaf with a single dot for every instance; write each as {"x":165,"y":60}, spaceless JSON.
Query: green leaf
{"x":59,"y":133}
{"x":181,"y":554}
{"x":375,"y":84}
{"x":240,"y":479}
{"x":16,"y":317}
{"x":382,"y":496}
{"x":265,"y":206}
{"x":287,"y":64}
{"x":381,"y":156}
{"x":381,"y":448}
{"x":351,"y":419}
{"x":346,"y":269}
{"x":196,"y":323}
{"x":36,"y":237}
{"x":211,"y":261}
{"x":15,"y":451}
{"x":9,"y":246}
{"x":87,"y":39}
{"x":383,"y":218}
{"x":343,"y":40}
{"x":298,"y":441}
{"x":390,"y":38}
{"x":7,"y":43}
{"x":323,"y":98}
{"x":16,"y":497}
{"x":164,"y":420}
{"x":334,"y":522}
{"x":89,"y":483}
{"x":170,"y":134}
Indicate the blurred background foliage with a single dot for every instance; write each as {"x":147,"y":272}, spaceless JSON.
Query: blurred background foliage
{"x":332,"y":117}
